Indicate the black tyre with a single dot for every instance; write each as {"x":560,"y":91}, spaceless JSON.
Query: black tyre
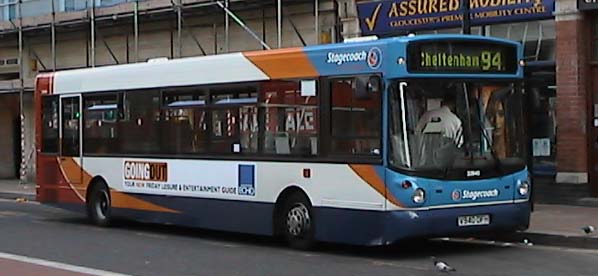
{"x":297,"y":222}
{"x":99,"y":205}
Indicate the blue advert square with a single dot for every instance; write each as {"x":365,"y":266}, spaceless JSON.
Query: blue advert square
{"x":247,"y":180}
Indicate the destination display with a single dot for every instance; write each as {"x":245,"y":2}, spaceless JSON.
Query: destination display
{"x":587,"y":5}
{"x":459,"y":57}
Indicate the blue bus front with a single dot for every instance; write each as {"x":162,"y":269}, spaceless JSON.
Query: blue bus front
{"x":455,"y":138}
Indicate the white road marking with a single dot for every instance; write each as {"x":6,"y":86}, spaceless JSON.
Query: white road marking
{"x":399,"y":265}
{"x":57,"y":265}
{"x":221,"y":244}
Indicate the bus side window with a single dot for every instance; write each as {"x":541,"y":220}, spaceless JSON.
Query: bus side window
{"x":290,"y":118}
{"x":100,"y":115}
{"x":356,"y":116}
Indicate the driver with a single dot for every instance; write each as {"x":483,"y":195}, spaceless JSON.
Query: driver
{"x":440,"y":119}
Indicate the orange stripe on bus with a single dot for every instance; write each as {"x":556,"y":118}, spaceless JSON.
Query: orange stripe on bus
{"x":122,"y":200}
{"x":283,"y":63}
{"x":369,"y":175}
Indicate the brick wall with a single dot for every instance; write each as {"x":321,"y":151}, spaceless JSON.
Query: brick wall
{"x":571,"y":98}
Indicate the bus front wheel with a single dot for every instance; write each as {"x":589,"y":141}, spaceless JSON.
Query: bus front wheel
{"x":99,"y":204}
{"x":297,"y":222}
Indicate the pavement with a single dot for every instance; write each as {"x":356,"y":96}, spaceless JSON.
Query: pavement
{"x":553,"y":225}
{"x":14,"y":189}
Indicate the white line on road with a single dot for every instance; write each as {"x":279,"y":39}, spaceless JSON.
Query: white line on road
{"x":57,"y":265}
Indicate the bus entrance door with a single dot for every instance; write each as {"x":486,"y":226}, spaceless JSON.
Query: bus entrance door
{"x":70,"y":137}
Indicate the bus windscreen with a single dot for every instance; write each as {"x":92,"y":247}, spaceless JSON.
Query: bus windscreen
{"x":459,"y":57}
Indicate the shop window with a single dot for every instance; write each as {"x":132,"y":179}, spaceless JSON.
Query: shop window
{"x":356,"y":116}
{"x":290,"y":117}
{"x":100,"y":114}
{"x":50,"y":124}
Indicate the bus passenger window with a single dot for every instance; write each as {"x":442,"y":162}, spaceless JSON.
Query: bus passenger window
{"x":139,"y":127}
{"x":100,"y":115}
{"x":234,"y":120}
{"x":290,"y":119}
{"x":356,"y":116}
{"x":183,"y":121}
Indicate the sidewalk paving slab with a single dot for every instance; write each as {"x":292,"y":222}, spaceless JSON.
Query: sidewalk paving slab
{"x":558,"y":225}
{"x":13,"y":189}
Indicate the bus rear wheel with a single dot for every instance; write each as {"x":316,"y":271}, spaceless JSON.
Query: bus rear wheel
{"x":99,"y":205}
{"x":297,"y":222}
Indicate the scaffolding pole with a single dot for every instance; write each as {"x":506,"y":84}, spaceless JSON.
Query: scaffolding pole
{"x":22,"y":169}
{"x":53,"y":31}
{"x":242,"y":25}
{"x":317,"y":20}
{"x":93,"y":33}
{"x":179,"y":37}
{"x":279,"y":22}
{"x":226,"y":27}
{"x":136,"y":29}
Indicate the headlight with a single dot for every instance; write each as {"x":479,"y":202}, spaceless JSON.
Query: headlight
{"x":523,"y":187}
{"x":419,"y":196}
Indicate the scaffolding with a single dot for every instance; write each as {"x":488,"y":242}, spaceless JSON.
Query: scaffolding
{"x":177,"y":9}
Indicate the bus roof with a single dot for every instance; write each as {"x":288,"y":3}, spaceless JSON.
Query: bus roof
{"x":302,"y":62}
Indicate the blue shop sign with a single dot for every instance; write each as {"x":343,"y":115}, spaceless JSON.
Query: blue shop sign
{"x":392,"y":16}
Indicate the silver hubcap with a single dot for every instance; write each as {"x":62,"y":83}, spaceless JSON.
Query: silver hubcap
{"x":298,"y":220}
{"x":102,"y":204}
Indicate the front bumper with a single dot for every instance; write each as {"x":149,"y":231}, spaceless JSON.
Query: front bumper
{"x":443,"y":222}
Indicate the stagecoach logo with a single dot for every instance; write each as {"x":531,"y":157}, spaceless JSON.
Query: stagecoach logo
{"x":373,"y":57}
{"x":146,"y":171}
{"x":456,"y":195}
{"x":474,"y":195}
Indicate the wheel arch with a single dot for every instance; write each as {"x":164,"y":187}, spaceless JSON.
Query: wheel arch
{"x":279,"y":204}
{"x":95,"y":181}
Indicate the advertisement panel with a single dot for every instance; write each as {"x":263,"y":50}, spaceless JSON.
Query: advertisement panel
{"x":400,"y":16}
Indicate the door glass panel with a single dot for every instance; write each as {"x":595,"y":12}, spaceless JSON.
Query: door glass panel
{"x":70,"y":126}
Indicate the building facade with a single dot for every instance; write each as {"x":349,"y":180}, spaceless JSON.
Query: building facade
{"x":577,"y":100}
{"x":50,"y":35}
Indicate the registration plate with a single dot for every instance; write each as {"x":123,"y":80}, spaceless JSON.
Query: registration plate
{"x":473,"y":220}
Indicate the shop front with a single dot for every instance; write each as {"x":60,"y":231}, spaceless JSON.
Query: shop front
{"x":588,"y":66}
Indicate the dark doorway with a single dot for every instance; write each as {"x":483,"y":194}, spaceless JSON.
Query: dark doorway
{"x":593,"y":132}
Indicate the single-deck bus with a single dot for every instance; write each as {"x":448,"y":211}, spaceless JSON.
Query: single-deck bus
{"x":368,"y":142}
